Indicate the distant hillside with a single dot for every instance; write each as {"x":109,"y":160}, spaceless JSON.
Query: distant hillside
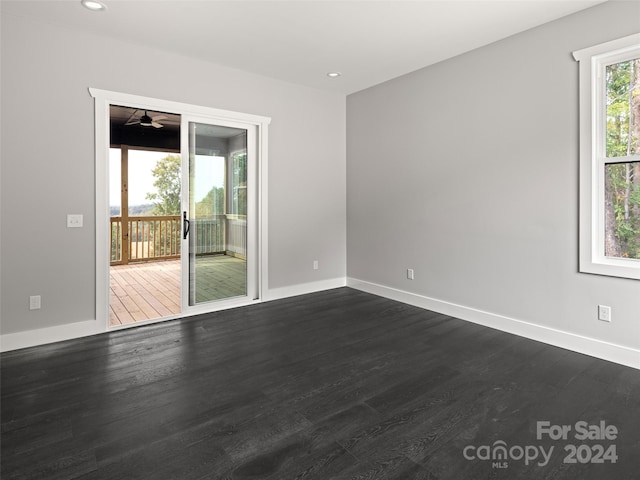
{"x":134,"y":210}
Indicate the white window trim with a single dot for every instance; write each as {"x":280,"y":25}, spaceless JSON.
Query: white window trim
{"x":592,"y":61}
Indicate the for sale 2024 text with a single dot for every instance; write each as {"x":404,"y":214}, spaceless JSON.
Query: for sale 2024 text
{"x":582,"y":431}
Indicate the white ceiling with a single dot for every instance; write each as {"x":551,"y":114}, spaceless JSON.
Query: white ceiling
{"x":299,"y":41}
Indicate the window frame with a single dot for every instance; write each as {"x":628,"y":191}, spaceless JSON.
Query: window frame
{"x":592,"y":64}
{"x":234,"y":209}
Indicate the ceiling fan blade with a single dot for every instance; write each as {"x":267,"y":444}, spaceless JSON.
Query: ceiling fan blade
{"x":132,"y":122}
{"x":159,"y":117}
{"x":157,"y":125}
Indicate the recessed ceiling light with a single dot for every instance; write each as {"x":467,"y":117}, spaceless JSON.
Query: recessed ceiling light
{"x":94,"y":5}
{"x":333,"y":74}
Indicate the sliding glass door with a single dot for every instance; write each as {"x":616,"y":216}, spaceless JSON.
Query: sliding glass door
{"x":216,"y":162}
{"x":219,"y":214}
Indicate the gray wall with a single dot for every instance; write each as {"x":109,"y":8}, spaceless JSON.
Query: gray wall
{"x":48,"y":162}
{"x":467,"y":172}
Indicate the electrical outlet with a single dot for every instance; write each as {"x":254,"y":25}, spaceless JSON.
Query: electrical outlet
{"x":316,"y":265}
{"x":410,"y":275}
{"x":35,"y":302}
{"x":74,"y":221}
{"x":604,"y":313}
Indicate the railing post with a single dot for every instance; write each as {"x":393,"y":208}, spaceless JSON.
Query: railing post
{"x":124,"y":202}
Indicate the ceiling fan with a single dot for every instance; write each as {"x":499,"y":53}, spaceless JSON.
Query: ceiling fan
{"x":146,"y":121}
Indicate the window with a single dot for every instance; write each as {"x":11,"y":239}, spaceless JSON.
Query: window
{"x":610,"y":158}
{"x":239,"y":181}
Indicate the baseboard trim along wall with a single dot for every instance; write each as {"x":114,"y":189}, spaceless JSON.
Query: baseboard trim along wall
{"x":43,"y":336}
{"x":304,"y":288}
{"x":588,"y":346}
{"x":577,"y":343}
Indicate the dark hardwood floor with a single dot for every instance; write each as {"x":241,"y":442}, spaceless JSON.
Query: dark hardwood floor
{"x":334,"y":385}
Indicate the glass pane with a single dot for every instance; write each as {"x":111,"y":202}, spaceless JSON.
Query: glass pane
{"x":239,"y":183}
{"x":154,"y":183}
{"x":217,"y":254}
{"x":623,"y":108}
{"x":622,"y":210}
{"x":154,"y":205}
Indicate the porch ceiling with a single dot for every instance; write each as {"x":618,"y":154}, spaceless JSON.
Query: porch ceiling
{"x":166,"y":137}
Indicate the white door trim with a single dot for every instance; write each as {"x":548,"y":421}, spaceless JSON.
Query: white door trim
{"x":103,"y":100}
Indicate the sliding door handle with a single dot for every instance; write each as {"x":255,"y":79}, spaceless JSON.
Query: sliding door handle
{"x":186,"y":225}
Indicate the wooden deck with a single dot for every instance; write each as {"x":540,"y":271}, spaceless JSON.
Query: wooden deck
{"x":150,"y":290}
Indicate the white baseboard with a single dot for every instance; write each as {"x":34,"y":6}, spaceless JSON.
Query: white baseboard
{"x":42,"y":336}
{"x":570,"y":341}
{"x":304,"y":288}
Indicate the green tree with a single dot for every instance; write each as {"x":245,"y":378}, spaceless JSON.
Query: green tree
{"x":622,"y":180}
{"x":239,"y":193}
{"x":166,"y":198}
{"x":212,"y":204}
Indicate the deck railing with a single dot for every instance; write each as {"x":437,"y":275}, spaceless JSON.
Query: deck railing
{"x":237,"y":235}
{"x":152,"y":238}
{"x":208,"y":235}
{"x":149,"y":238}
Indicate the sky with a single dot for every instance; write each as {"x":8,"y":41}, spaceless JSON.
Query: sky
{"x":209,"y":173}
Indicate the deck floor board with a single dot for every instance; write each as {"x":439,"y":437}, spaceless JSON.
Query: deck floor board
{"x":150,"y":290}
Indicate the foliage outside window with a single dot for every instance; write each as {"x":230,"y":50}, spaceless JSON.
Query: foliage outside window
{"x":239,"y":182}
{"x":167,"y":178}
{"x":622,"y":174}
{"x":610,"y":158}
